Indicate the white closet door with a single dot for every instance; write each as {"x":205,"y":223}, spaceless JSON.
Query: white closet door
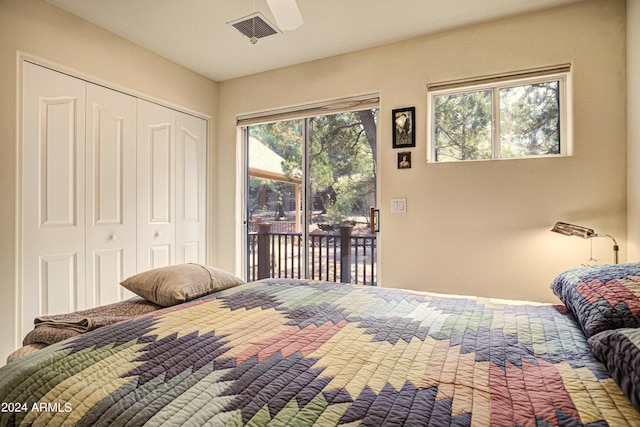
{"x":191,"y":175}
{"x":53,"y":202}
{"x":156,"y":186}
{"x":111,"y":194}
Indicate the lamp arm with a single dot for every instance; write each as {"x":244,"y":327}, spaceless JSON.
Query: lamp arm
{"x":615,"y":245}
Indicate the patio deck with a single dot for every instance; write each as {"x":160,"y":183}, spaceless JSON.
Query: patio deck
{"x":334,"y":256}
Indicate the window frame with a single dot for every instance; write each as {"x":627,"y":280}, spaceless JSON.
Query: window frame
{"x":495,"y":84}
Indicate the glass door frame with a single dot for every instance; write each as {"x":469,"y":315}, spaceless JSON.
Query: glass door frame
{"x":305,"y":192}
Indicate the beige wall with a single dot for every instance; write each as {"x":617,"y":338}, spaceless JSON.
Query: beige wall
{"x":39,"y":29}
{"x":481,"y":227}
{"x":633,"y":128}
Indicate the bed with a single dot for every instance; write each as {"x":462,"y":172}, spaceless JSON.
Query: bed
{"x":301,"y":353}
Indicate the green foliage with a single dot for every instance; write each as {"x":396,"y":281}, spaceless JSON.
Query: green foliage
{"x":529,"y":122}
{"x":342,"y":163}
{"x":353,"y":196}
{"x":266,"y":196}
{"x":463,"y":126}
{"x":285,"y":139}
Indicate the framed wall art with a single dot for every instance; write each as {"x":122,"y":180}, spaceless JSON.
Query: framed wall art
{"x":404,"y":135}
{"x":404,"y":160}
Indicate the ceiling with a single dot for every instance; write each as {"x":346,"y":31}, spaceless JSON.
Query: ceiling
{"x":194,"y":33}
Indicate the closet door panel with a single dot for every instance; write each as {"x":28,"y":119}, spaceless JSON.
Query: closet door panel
{"x":58,"y":283}
{"x":160,"y":183}
{"x":53,"y":188}
{"x":160,"y":255}
{"x":191,"y":178}
{"x":107,"y":268}
{"x":111,"y":193}
{"x":156,"y":186}
{"x":58,"y":149}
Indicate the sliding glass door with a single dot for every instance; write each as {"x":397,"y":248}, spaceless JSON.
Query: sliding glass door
{"x":311,"y":184}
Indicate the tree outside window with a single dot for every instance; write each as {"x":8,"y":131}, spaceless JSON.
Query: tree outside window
{"x":512,"y":119}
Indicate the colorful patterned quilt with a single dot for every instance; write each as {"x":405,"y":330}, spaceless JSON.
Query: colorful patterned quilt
{"x":302,"y":353}
{"x":601,"y":297}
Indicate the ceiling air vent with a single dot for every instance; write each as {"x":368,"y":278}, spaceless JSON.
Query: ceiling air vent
{"x":254,"y":25}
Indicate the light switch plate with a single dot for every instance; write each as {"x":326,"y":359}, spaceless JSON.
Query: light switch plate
{"x":399,"y":206}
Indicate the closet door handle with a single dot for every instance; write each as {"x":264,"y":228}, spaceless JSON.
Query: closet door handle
{"x":157,"y":234}
{"x":113,"y":237}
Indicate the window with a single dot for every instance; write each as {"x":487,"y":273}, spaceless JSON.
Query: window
{"x":515,"y":116}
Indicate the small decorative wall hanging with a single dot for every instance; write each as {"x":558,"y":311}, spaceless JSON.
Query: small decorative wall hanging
{"x":403,"y":127}
{"x":404,"y":160}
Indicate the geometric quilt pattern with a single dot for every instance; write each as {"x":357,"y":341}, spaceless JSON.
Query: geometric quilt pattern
{"x":302,"y":353}
{"x":601,"y":297}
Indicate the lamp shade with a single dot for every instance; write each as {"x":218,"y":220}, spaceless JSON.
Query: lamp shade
{"x":573,"y":230}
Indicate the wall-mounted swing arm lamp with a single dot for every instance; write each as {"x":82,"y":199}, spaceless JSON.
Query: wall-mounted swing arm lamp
{"x":584,"y":232}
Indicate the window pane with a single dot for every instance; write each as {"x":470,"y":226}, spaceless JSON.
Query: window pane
{"x":462,"y":126}
{"x":275,"y":174}
{"x":342,"y":169}
{"x":530,"y":120}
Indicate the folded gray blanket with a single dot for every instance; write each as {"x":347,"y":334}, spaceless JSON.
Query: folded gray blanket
{"x":51,"y":329}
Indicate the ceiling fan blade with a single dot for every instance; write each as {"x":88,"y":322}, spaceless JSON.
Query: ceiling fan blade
{"x":286,"y":14}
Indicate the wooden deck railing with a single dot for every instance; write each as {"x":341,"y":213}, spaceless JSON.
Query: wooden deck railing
{"x":334,"y":256}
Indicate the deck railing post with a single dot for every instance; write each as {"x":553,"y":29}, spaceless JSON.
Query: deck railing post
{"x":345,"y":253}
{"x":264,"y":230}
